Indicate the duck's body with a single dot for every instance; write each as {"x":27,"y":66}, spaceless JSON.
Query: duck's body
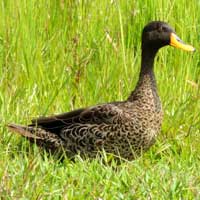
{"x":122,"y":128}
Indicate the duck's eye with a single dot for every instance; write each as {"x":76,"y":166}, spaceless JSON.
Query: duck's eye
{"x":164,"y":29}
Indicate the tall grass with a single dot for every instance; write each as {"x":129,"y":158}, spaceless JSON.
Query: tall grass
{"x":58,"y":55}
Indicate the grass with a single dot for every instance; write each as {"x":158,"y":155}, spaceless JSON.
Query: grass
{"x":57,"y":55}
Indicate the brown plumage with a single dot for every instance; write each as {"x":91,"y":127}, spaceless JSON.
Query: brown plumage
{"x":124,"y":128}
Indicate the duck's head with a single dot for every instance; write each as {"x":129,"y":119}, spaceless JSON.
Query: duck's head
{"x":158,"y":34}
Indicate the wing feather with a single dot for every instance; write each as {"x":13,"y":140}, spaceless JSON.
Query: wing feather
{"x":104,"y":113}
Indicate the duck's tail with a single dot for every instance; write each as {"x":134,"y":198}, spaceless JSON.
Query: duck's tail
{"x":23,"y":130}
{"x":41,"y":137}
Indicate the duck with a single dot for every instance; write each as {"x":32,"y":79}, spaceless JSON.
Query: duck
{"x":124,"y":129}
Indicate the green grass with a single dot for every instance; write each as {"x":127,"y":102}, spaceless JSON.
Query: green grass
{"x":57,"y":55}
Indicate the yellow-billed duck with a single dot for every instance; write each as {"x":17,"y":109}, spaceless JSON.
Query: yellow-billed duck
{"x":124,"y":128}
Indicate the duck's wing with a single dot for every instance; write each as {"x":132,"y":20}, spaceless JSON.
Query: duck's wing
{"x":45,"y":128}
{"x":73,"y":130}
{"x":104,"y":113}
{"x":55,"y":123}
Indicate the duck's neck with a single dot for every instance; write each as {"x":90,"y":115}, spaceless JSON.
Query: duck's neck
{"x":146,"y":88}
{"x":147,"y":61}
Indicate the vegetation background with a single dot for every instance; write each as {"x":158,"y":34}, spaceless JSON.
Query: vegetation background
{"x":58,"y":55}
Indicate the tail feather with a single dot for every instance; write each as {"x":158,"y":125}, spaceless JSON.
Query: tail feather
{"x":49,"y":141}
{"x":22,"y":130}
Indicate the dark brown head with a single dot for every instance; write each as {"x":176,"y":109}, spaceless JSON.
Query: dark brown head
{"x":158,"y":34}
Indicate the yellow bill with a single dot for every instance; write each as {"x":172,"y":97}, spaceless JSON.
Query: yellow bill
{"x":175,"y":41}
